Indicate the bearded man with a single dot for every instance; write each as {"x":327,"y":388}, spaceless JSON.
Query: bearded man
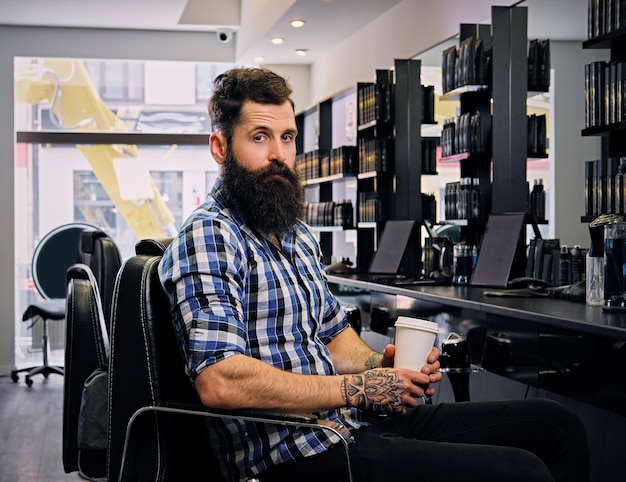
{"x":260,"y":329}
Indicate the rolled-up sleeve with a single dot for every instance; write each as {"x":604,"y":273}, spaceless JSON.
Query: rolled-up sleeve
{"x":203,"y":273}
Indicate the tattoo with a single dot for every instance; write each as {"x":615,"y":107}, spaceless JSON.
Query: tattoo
{"x":375,"y":361}
{"x":344,"y":390}
{"x":379,"y":391}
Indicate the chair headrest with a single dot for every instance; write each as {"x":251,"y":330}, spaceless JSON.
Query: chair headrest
{"x":87,"y":239}
{"x":152,"y":247}
{"x":79,"y":271}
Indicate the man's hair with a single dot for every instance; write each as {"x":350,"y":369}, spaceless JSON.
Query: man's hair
{"x":235,"y":86}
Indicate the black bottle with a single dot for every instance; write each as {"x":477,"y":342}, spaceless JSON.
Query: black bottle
{"x":475,"y":199}
{"x":612,"y":165}
{"x":564,"y":266}
{"x":618,"y":188}
{"x":538,"y":201}
{"x":463,"y":201}
{"x":589,"y":199}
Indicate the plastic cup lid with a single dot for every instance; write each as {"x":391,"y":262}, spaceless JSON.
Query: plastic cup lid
{"x":417,"y":323}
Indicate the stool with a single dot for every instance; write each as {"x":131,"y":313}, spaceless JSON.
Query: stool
{"x":49,"y":309}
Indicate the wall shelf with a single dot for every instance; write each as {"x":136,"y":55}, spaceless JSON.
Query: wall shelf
{"x":601,"y":99}
{"x":611,"y":40}
{"x":456,"y":157}
{"x":367,"y":175}
{"x":334,"y":177}
{"x":457,"y":93}
{"x":331,"y":229}
{"x":367,"y":225}
{"x":604,"y":130}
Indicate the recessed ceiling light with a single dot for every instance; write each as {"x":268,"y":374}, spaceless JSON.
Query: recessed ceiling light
{"x":277,"y":40}
{"x":301,"y":52}
{"x":297,"y":23}
{"x":258,"y":60}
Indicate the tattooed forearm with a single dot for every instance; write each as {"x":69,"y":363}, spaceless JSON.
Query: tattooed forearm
{"x":375,"y":361}
{"x":379,"y":391}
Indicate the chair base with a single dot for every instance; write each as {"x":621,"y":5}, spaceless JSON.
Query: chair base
{"x":45,"y":370}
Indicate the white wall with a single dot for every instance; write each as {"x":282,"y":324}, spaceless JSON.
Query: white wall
{"x":401,"y":33}
{"x":299,"y":77}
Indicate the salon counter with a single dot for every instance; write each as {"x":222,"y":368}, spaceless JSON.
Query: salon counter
{"x":549,"y":344}
{"x":546,"y":311}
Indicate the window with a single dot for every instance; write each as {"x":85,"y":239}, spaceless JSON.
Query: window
{"x":91,"y":133}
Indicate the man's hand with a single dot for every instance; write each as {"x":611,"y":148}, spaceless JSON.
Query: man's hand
{"x":385,"y":390}
{"x":430,"y":368}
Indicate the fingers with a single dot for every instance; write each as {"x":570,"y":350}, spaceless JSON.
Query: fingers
{"x":432,"y":366}
{"x":388,"y":356}
{"x":433,"y":355}
{"x":389,"y":351}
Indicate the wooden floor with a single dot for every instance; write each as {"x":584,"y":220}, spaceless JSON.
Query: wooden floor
{"x":30,"y":428}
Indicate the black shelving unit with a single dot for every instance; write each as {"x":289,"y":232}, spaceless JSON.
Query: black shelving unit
{"x":613,"y":138}
{"x":602,"y":99}
{"x":389,"y":146}
{"x":474,"y":160}
{"x":393,"y":127}
{"x":315,"y":152}
{"x":388,"y":138}
{"x":501,"y":103}
{"x":376,"y":145}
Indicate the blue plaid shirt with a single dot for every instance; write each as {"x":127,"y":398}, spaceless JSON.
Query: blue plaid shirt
{"x":233,"y":292}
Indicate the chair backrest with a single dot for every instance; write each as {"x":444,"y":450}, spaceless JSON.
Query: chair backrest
{"x":146,"y":369}
{"x":90,"y":284}
{"x":86,"y":349}
{"x":98,"y":251}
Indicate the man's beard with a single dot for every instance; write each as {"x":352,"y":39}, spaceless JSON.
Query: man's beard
{"x":268,"y":205}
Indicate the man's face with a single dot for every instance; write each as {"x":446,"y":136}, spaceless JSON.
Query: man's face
{"x":266,"y":134}
{"x":259,"y":176}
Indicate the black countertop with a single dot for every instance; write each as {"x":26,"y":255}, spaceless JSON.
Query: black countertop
{"x":552,"y":312}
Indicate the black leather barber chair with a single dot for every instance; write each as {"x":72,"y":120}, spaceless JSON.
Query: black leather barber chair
{"x":54,"y":254}
{"x":86,"y":353}
{"x":90,"y":284}
{"x":154,"y":431}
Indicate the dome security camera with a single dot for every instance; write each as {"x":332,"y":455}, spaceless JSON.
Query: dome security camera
{"x":224,"y":35}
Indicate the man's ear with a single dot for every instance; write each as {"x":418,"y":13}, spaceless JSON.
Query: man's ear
{"x":218,"y":146}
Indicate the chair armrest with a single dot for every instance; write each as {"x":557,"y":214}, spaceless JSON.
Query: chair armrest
{"x":253,"y":415}
{"x":266,"y":415}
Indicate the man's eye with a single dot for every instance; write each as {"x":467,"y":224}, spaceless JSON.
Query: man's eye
{"x":288,"y":137}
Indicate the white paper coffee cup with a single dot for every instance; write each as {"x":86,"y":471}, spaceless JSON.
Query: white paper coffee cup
{"x":415,"y":339}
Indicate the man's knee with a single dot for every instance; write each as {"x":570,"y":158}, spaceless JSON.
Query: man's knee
{"x":518,"y":465}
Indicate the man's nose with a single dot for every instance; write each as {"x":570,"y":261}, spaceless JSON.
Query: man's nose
{"x":278,"y":152}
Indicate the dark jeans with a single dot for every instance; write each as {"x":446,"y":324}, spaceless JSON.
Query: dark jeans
{"x":514,"y":441}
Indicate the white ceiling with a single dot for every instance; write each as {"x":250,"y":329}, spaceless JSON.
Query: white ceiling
{"x":255,"y":22}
